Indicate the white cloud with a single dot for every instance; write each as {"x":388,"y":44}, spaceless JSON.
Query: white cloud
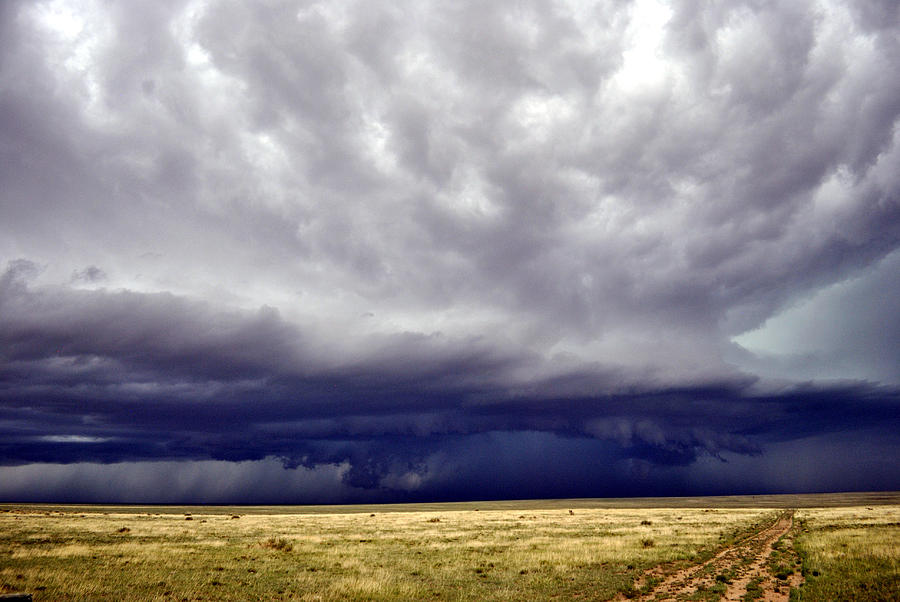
{"x":335,"y":206}
{"x":626,"y":174}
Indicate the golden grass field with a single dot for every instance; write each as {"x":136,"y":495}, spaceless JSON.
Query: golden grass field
{"x":851,"y":553}
{"x":526,"y":550}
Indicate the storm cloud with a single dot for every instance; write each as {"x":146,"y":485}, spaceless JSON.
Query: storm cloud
{"x":304,"y":251}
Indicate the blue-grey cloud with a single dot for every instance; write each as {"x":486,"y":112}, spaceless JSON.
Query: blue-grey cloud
{"x":659,"y":237}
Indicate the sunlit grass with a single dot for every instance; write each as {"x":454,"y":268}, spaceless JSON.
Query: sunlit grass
{"x":449,"y":552}
{"x":456,"y":555}
{"x":850,"y":553}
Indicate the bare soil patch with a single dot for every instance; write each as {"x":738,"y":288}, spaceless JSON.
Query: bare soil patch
{"x":762,"y":566}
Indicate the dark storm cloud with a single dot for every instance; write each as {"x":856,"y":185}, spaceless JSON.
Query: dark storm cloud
{"x":113,"y":376}
{"x":89,"y":274}
{"x":378,"y":246}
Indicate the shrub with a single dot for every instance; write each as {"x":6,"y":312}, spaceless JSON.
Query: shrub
{"x":783,"y":572}
{"x":278,"y":543}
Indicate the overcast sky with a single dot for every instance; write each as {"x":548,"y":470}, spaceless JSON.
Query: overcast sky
{"x":298,"y":251}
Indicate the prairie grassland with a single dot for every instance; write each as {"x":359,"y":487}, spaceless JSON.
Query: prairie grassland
{"x":491,"y":554}
{"x":850,"y":553}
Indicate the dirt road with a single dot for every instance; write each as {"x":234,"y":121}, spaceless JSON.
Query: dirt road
{"x":758,"y":567}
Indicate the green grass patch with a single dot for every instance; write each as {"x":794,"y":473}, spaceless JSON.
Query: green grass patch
{"x":850,"y":553}
{"x":754,"y":590}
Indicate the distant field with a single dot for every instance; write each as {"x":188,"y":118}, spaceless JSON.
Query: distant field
{"x":522,"y":550}
{"x":804,"y":500}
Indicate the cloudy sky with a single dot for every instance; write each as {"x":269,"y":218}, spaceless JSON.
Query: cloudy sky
{"x":345,"y":251}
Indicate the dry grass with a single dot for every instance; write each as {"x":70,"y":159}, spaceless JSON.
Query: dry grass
{"x":278,"y":543}
{"x":486,"y":554}
{"x":489,"y":551}
{"x":850,"y":553}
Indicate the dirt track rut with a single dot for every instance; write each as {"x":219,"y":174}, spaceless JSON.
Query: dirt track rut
{"x":743,"y":568}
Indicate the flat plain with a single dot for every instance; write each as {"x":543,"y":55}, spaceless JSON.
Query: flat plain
{"x":809,"y":547}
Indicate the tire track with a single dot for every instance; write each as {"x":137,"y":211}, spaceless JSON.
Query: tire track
{"x":742,"y":567}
